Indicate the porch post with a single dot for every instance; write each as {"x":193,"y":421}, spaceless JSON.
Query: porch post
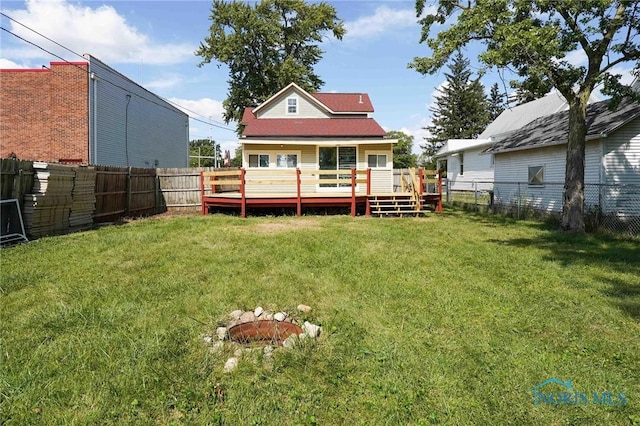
{"x":421,"y":180}
{"x":439,"y":204}
{"x":367,"y":211}
{"x":203,"y":209}
{"x":243,"y":198}
{"x":353,"y":192}
{"x":299,"y":200}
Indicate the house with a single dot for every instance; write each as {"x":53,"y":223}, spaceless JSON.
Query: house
{"x":463,"y":159}
{"x":302,"y":149}
{"x":87,"y":112}
{"x":317,"y":131}
{"x":536,"y":156}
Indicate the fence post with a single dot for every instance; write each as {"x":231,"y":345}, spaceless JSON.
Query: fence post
{"x":127,"y":204}
{"x":475,"y":195}
{"x":518,"y":214}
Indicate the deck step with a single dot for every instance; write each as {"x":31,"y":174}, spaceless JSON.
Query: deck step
{"x":394,"y":206}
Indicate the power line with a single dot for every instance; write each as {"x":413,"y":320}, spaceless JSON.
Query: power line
{"x":211,"y":122}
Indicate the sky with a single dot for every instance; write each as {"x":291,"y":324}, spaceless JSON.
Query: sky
{"x":153,"y":44}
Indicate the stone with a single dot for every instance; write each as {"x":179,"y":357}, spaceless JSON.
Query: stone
{"x":247,"y":317}
{"x":230,"y":365}
{"x":236,"y":314}
{"x":217,"y":347}
{"x":311,"y":330}
{"x":290,"y":341}
{"x":208,"y":339}
{"x":221,"y":332}
{"x":280,"y":316}
{"x":238,"y":353}
{"x":258,"y":311}
{"x":304,"y":308}
{"x":268,"y":316}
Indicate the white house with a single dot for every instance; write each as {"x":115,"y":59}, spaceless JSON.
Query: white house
{"x":467,"y":167}
{"x":536,"y":156}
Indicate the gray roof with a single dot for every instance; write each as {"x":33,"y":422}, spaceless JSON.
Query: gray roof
{"x":514,"y":118}
{"x":554,"y":129}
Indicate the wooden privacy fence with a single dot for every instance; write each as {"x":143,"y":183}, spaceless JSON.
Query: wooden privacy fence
{"x":125,"y":191}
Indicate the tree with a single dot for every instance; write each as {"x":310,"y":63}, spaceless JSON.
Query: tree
{"x":236,"y":161}
{"x":496,"y":102}
{"x":266,"y":46}
{"x":461,"y":109}
{"x":403,"y":158}
{"x":533,"y":37}
{"x":202,"y":153}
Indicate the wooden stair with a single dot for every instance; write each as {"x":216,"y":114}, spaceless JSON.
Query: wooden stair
{"x":399,"y":205}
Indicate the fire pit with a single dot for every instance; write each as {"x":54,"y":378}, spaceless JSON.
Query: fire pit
{"x":264,"y":332}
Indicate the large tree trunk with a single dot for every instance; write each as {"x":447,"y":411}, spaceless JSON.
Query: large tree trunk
{"x":573,"y":201}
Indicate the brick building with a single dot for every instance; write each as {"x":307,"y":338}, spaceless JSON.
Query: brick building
{"x":90,"y":113}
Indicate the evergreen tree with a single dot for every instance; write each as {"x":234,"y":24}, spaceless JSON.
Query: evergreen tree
{"x":496,"y":102}
{"x":461,"y":110}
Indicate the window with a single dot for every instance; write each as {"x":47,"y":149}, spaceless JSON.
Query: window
{"x":287,"y":160}
{"x":292,"y":105}
{"x":258,"y":160}
{"x":336,"y":158}
{"x":536,"y":175}
{"x":461,"y":159}
{"x":376,"y":160}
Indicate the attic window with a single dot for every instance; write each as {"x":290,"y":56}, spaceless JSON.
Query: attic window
{"x":292,"y":105}
{"x":536,"y":175}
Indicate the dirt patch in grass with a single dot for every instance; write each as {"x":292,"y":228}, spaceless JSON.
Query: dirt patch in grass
{"x":289,"y":225}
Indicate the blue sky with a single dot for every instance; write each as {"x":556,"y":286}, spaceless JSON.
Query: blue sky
{"x":152,"y":43}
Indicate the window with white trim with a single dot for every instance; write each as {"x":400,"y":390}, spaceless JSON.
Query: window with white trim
{"x":292,"y":105}
{"x":461,"y":160}
{"x":536,"y":175}
{"x":376,"y":161}
{"x":259,"y":160}
{"x":288,"y":161}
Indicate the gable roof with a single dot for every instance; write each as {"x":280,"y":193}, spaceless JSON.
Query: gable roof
{"x":554,"y":129}
{"x":514,"y":118}
{"x":309,"y":127}
{"x":345,"y":102}
{"x":453,"y":146}
{"x":333,"y":103}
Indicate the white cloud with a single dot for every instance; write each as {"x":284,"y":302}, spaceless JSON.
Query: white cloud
{"x":100,"y":31}
{"x":203,"y":109}
{"x":164,"y":83}
{"x":625,"y":72}
{"x":7,"y":64}
{"x":576,"y":58}
{"x":384,"y":19}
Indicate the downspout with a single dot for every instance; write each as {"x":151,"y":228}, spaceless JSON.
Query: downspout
{"x":94,"y":78}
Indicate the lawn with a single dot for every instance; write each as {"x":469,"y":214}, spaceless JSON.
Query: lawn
{"x":448,"y":319}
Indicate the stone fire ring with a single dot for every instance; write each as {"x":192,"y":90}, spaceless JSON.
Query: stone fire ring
{"x":263,"y":332}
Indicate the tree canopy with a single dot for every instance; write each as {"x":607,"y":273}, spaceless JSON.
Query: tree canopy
{"x":403,"y":157}
{"x":266,"y":46}
{"x":534,"y":38}
{"x":496,"y":102}
{"x":203,"y":152}
{"x":461,"y":110}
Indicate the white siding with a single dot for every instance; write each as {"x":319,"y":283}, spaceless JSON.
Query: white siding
{"x":278,"y":107}
{"x":512,"y":175}
{"x":140,"y":131}
{"x":477,"y":168}
{"x":621,"y":164}
{"x":381,"y":179}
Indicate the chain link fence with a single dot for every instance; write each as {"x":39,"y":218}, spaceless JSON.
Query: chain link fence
{"x":613,"y":208}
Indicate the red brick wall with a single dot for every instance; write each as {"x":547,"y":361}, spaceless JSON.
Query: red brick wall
{"x":44,"y":113}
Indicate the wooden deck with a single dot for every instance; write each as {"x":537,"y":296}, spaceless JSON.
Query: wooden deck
{"x":228,"y":189}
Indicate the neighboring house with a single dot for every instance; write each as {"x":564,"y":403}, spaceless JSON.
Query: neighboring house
{"x":463,"y":159}
{"x":87,"y":112}
{"x":317,"y":131}
{"x":536,"y":154}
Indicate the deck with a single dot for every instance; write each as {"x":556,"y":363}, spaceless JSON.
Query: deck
{"x":237,"y":189}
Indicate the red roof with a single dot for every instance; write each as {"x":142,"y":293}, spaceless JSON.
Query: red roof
{"x":345,"y":102}
{"x":310,"y":127}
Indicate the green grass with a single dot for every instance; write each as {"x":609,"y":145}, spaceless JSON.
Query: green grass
{"x":449,"y":319}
